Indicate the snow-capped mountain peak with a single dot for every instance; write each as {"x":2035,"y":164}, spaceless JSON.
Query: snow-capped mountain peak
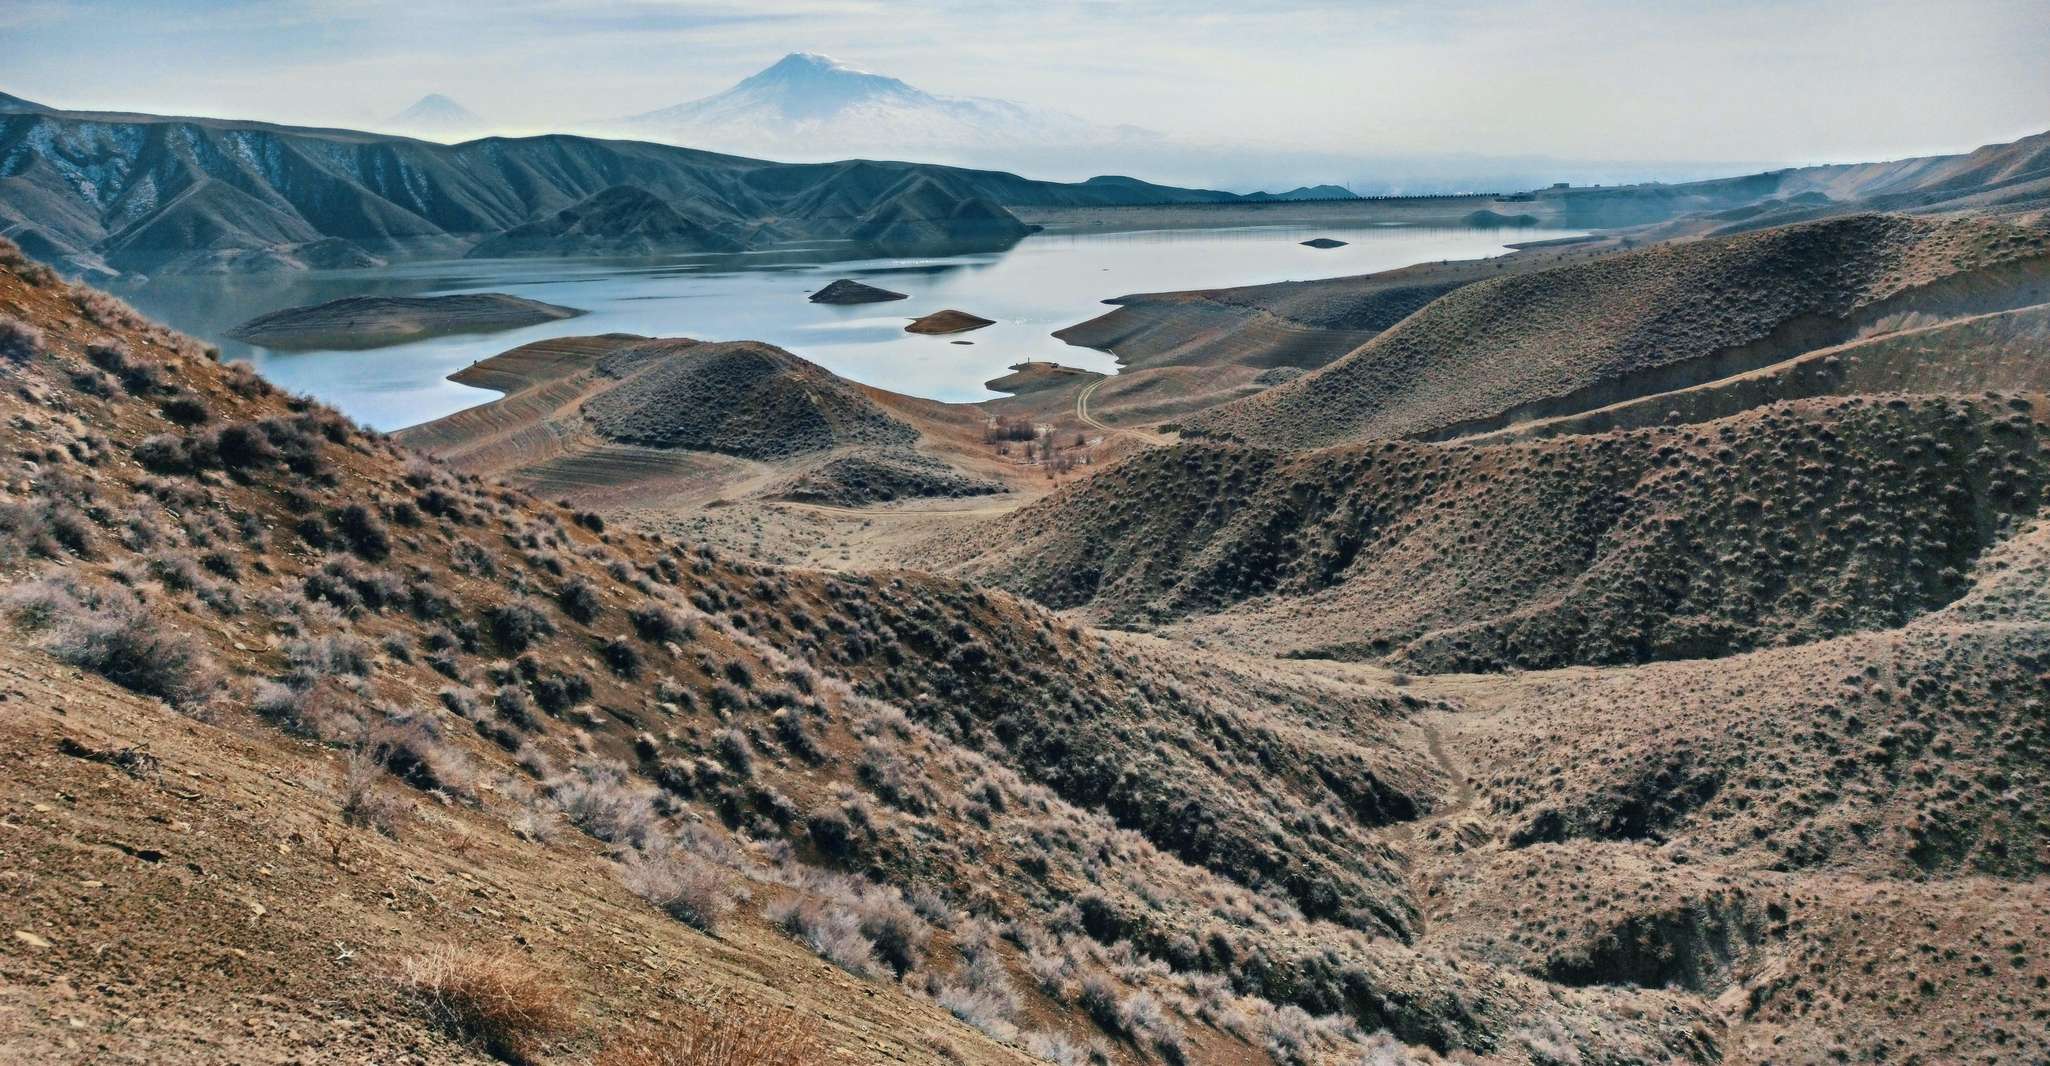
{"x":438,"y":117}
{"x":807,"y":105}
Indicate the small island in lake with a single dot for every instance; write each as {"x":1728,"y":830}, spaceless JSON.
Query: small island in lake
{"x":378,"y":321}
{"x":948,"y":321}
{"x":849,"y":291}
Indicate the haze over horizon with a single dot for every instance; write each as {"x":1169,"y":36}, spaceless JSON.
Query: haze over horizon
{"x":1741,"y":83}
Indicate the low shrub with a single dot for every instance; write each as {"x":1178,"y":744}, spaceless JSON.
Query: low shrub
{"x":108,"y":631}
{"x":518,"y":624}
{"x":694,"y":892}
{"x":726,"y":1035}
{"x":366,"y":801}
{"x":499,"y":1000}
{"x":19,"y":341}
{"x":579,"y":600}
{"x":833,"y":933}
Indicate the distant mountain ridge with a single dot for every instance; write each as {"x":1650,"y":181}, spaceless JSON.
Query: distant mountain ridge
{"x":112,"y":193}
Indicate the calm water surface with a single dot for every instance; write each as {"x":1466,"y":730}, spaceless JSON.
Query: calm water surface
{"x":1046,"y":282}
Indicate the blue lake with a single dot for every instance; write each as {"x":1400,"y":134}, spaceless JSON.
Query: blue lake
{"x":1044,"y":283}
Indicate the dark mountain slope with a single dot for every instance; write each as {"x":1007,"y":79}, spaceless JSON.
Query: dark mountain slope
{"x":621,"y":221}
{"x":14,"y":104}
{"x":150,"y":193}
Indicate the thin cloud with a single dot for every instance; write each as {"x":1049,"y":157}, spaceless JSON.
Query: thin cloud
{"x":1587,"y":79}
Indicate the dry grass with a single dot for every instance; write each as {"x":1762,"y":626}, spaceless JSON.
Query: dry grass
{"x":500,"y":1000}
{"x":727,"y":1035}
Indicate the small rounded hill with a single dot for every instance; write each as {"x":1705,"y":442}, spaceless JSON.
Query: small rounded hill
{"x":747,"y":399}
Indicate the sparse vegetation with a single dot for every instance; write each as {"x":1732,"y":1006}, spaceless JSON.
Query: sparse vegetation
{"x":691,"y":890}
{"x":19,"y":341}
{"x":110,"y":632}
{"x":729,"y":1034}
{"x":500,"y":999}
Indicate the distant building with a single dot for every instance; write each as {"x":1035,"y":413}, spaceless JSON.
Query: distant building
{"x":1562,"y":185}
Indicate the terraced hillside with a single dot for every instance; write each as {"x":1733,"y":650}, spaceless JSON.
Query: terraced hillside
{"x":1303,"y":324}
{"x":1575,"y":337}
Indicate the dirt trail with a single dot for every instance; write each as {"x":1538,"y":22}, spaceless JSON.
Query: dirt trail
{"x":1082,"y":415}
{"x":1462,"y":788}
{"x":907,"y":512}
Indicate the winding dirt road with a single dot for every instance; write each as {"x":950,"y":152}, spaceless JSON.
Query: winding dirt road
{"x":919,"y":512}
{"x":1082,"y":415}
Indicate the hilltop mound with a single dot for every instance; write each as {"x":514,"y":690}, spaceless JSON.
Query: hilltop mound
{"x":745,"y":399}
{"x":847,"y":291}
{"x":1570,"y":338}
{"x":948,"y":321}
{"x":375,"y":321}
{"x":877,"y":476}
{"x":1784,"y":525}
{"x":1037,"y":376}
{"x":620,"y":221}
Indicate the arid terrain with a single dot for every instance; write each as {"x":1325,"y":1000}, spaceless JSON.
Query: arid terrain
{"x":1630,"y":650}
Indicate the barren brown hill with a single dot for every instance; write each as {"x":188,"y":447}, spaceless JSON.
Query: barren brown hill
{"x":1567,"y":339}
{"x":1183,"y":352}
{"x":293,"y":709}
{"x":744,"y":399}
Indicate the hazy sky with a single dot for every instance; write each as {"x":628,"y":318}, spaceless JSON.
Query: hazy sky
{"x":1802,"y":81}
